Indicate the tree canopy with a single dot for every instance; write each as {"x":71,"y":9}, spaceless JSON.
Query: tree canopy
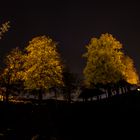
{"x":42,"y":67}
{"x":11,"y":76}
{"x":4,"y":28}
{"x":106,"y":62}
{"x":130,"y":73}
{"x":13,"y":66}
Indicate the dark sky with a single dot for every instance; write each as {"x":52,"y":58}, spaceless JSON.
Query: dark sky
{"x":72,"y":24}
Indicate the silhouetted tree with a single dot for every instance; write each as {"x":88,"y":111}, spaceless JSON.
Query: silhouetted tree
{"x":70,"y":84}
{"x":42,"y":68}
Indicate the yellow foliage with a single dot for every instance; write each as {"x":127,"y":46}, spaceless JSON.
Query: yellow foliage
{"x":13,"y":69}
{"x":43,"y":67}
{"x":4,"y":28}
{"x":105,"y":62}
{"x":130,"y":73}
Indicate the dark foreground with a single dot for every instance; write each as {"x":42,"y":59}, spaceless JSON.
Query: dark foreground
{"x":55,"y":120}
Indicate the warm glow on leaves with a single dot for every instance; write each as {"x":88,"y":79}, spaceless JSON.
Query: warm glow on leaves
{"x":105,"y":62}
{"x":13,"y":69}
{"x":42,"y":68}
{"x":4,"y":28}
{"x":130,"y":73}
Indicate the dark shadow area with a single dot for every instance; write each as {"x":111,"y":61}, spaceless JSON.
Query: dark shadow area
{"x":60,"y":120}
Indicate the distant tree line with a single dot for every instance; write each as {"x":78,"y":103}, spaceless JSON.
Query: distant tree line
{"x":39,"y":68}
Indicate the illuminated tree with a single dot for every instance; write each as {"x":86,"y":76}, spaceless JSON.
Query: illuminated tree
{"x":130,"y":73}
{"x":11,"y":76}
{"x":43,"y":68}
{"x":4,"y":28}
{"x":106,"y":62}
{"x":103,"y":60}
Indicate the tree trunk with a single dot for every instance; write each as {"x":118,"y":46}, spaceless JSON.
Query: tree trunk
{"x":69,"y":97}
{"x":55,"y":94}
{"x":109,"y":92}
{"x":6,"y":96}
{"x":98,"y":98}
{"x":91,"y":99}
{"x":117,"y":90}
{"x":40,"y":97}
{"x":122,"y":90}
{"x":83,"y":99}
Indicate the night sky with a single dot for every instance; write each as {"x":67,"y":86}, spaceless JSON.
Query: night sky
{"x":71,"y":24}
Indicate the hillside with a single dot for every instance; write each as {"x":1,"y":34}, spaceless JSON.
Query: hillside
{"x":58,"y":120}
